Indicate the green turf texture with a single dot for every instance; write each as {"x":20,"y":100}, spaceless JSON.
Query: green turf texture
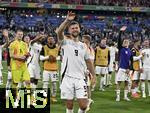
{"x":104,"y":102}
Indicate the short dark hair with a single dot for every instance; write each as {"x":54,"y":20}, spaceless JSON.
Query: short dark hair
{"x":146,"y":39}
{"x":88,"y":37}
{"x":73,"y":23}
{"x":19,"y":30}
{"x":103,"y":39}
{"x":136,"y":40}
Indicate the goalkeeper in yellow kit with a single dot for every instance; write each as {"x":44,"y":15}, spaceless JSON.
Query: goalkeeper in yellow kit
{"x":19,"y":54}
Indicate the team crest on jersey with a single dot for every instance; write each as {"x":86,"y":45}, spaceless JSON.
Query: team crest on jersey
{"x":126,"y":52}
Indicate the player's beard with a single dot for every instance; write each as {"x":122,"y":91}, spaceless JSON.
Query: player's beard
{"x":75,"y":34}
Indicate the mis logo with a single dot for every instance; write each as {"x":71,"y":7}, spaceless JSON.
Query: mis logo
{"x":23,"y":102}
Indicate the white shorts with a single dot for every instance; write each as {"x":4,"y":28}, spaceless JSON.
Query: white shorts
{"x":136,"y":75}
{"x":145,"y":75}
{"x":122,"y":75}
{"x":111,"y":67}
{"x":50,"y":75}
{"x":34,"y":71}
{"x":116,"y":66}
{"x":73,"y":87}
{"x":101,"y":70}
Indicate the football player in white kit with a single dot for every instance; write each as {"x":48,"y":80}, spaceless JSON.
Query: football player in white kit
{"x":35,"y":48}
{"x":111,"y":68}
{"x":87,"y":39}
{"x":5,"y":35}
{"x":146,"y":68}
{"x":73,"y":69}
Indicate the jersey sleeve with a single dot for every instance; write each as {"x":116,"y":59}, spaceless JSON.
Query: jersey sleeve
{"x":87,"y":54}
{"x":120,"y":41}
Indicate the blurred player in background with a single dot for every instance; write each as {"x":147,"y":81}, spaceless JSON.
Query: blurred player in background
{"x":49,"y":55}
{"x":87,"y":39}
{"x":33,"y":61}
{"x":5,"y":35}
{"x":102,"y":59}
{"x":145,"y":68}
{"x":111,"y":68}
{"x":136,"y":65}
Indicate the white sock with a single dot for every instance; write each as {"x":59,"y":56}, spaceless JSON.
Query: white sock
{"x":136,"y":89}
{"x":109,"y":79}
{"x":54,"y":89}
{"x":118,"y":93}
{"x":129,"y":86}
{"x":105,"y":80}
{"x":45,"y":86}
{"x":126,"y":93}
{"x":9,"y":80}
{"x":81,"y":111}
{"x":33,"y":85}
{"x":149,"y":88}
{"x":8,"y":84}
{"x":20,"y":84}
{"x":69,"y":111}
{"x":143,"y":87}
{"x":101,"y":82}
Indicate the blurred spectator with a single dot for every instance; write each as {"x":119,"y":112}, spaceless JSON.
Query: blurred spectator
{"x":126,"y":3}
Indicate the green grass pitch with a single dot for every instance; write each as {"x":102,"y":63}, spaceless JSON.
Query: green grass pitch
{"x":104,"y":102}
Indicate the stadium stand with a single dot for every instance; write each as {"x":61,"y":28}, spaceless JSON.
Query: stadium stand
{"x":128,"y":3}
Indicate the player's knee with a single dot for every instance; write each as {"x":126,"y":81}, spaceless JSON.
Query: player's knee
{"x":83,"y":104}
{"x":69,"y":104}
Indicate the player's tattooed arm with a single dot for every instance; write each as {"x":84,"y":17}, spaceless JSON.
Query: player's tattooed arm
{"x":60,"y":30}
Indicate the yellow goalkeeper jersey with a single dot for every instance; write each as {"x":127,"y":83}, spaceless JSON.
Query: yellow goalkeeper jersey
{"x":18,"y":48}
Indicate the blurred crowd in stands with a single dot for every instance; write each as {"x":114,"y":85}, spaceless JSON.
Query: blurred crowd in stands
{"x":98,"y":26}
{"x":126,"y":3}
